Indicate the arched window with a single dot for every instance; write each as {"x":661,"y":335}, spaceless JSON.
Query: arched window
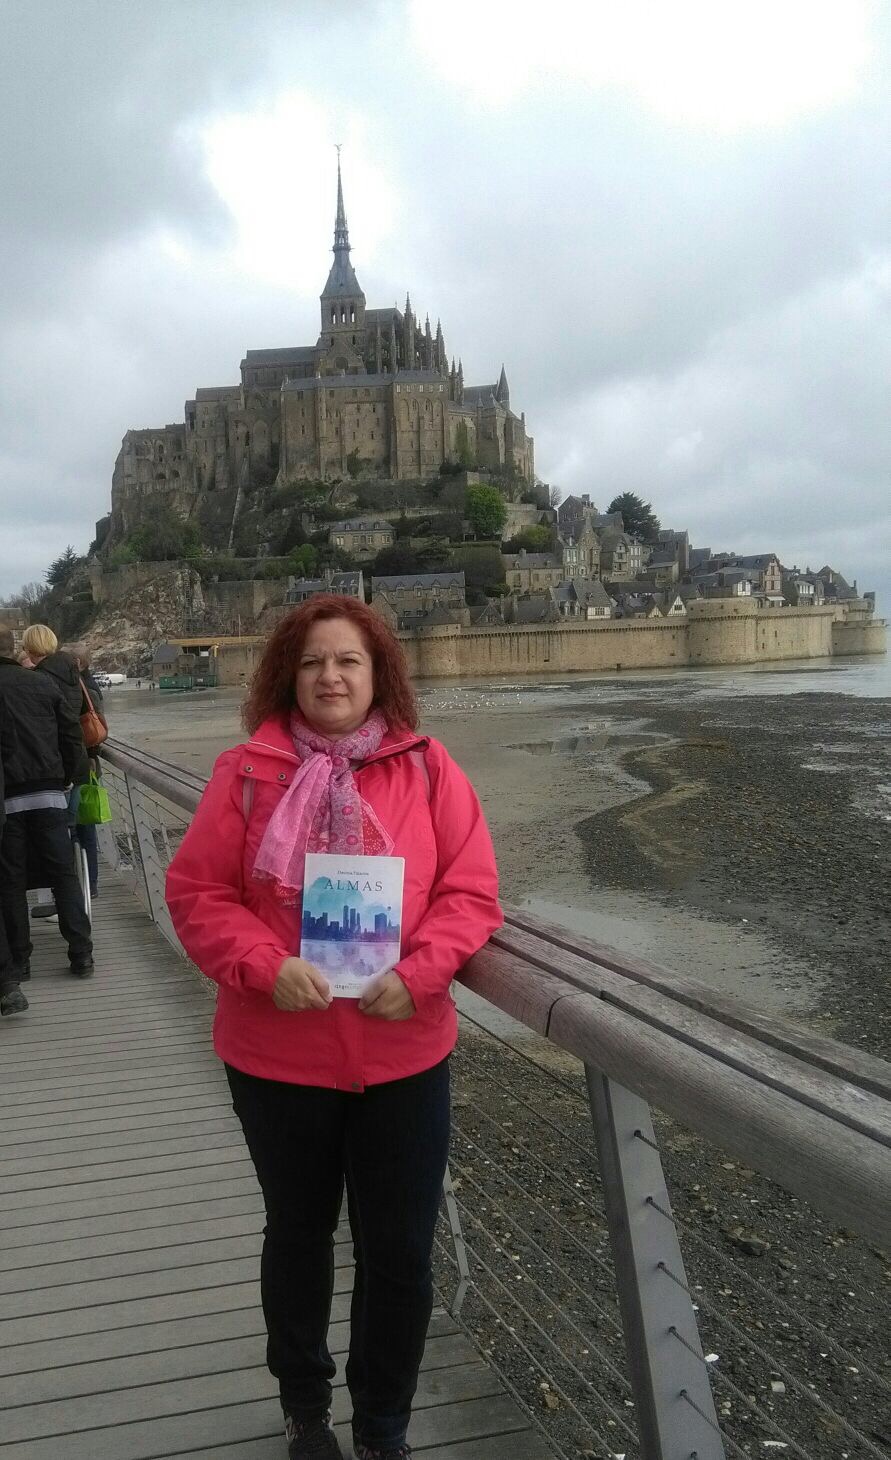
{"x":334,"y":316}
{"x":343,"y":314}
{"x":353,"y":316}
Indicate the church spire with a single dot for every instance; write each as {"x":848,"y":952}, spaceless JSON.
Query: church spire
{"x":341,"y":231}
{"x":343,"y":303}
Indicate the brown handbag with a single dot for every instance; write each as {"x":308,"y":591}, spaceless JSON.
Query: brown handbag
{"x":92,"y":725}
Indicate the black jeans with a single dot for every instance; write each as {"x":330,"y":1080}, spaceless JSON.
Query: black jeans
{"x":40,"y":841}
{"x":390,"y":1146}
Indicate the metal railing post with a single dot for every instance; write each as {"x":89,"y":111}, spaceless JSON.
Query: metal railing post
{"x":153,"y":869}
{"x":454,"y":1216}
{"x":673,"y":1399}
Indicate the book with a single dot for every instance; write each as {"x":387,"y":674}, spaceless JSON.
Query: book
{"x":351,"y":922}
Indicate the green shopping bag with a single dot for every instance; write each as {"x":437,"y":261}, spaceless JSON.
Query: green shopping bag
{"x":93,"y":806}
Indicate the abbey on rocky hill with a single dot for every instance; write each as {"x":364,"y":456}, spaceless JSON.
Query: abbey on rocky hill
{"x":374,"y":396}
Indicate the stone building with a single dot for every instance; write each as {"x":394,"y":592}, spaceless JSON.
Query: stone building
{"x":412,"y":596}
{"x":531,"y":572}
{"x":362,"y":537}
{"x":621,"y":556}
{"x":344,"y":585}
{"x":574,"y":514}
{"x":581,"y":554}
{"x":377,"y":395}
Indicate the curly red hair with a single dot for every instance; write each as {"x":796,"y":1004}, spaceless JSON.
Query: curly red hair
{"x":273,"y":692}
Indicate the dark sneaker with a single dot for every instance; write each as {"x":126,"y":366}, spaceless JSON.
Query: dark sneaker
{"x":13,"y":1002}
{"x":311,"y":1439}
{"x":83,"y":967}
{"x":366,"y":1452}
{"x":45,"y":910}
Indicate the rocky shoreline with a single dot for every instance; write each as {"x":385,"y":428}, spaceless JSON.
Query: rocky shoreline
{"x":771,"y":814}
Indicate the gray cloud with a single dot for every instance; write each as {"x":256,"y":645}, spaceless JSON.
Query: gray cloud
{"x":700,"y":317}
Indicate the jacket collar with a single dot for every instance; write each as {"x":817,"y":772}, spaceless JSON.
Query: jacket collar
{"x":273,"y":738}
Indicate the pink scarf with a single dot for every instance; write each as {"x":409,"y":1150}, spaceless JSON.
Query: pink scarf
{"x":321,"y":811}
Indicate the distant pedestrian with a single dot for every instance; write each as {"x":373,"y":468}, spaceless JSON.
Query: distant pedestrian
{"x":43,"y":756}
{"x":85,"y":836}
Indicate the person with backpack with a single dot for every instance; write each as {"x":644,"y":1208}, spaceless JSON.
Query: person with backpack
{"x":338,"y":1092}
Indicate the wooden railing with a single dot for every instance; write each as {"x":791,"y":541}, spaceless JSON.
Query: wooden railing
{"x":811,"y":1114}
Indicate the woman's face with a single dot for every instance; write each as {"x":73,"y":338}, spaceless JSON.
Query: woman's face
{"x":335,"y":678}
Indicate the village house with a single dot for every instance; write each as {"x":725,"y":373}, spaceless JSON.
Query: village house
{"x":621,"y":556}
{"x":532,"y":608}
{"x":634,"y":605}
{"x":802,"y":589}
{"x":345,"y":585}
{"x":581,"y":555}
{"x":670,"y":543}
{"x":725,"y":583}
{"x":362,"y":537}
{"x":835,"y":588}
{"x":763,"y":569}
{"x":410,"y":597}
{"x":527,"y":572}
{"x":584,"y":598}
{"x":574,"y":514}
{"x":663,"y":568}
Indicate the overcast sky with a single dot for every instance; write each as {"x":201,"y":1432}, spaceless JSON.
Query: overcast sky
{"x":670,"y":220}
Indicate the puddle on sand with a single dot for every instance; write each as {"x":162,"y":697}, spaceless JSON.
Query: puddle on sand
{"x":586,"y":743}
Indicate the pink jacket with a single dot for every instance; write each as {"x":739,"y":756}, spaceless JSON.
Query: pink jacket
{"x":238,"y":934}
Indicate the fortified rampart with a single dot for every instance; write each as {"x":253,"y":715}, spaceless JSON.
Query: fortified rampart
{"x":714,"y":633}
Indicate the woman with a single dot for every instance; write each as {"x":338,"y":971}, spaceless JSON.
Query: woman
{"x":86,"y":836}
{"x":333,"y":1092}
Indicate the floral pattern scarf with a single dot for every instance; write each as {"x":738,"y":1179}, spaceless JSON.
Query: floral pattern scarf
{"x":321,"y":811}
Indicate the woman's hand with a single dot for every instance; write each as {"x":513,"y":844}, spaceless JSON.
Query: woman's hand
{"x":299,"y":986}
{"x":386,"y":997}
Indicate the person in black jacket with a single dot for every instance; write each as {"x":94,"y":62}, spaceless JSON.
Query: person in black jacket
{"x":43,"y":755}
{"x":42,"y":648}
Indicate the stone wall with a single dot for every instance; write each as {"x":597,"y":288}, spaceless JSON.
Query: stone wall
{"x":111,"y":585}
{"x":243,"y":599}
{"x":713,"y":634}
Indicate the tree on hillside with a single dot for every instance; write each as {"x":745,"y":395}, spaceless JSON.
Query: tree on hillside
{"x":400,"y":558}
{"x":163,"y":536}
{"x":533,"y":539}
{"x":638,"y":516}
{"x":303,"y":561}
{"x":486,"y":510}
{"x":481,"y":564}
{"x":61,"y":569}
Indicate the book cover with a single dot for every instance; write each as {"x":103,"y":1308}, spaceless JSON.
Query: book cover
{"x":352,"y":918}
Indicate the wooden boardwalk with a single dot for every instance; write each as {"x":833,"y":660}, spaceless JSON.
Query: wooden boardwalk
{"x":130,"y":1326}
